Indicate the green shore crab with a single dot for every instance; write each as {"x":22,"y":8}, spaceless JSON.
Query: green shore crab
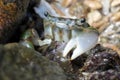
{"x":77,"y":33}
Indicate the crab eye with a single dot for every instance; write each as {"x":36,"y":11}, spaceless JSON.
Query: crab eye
{"x":83,"y":20}
{"x":46,"y":14}
{"x":84,"y":23}
{"x":80,"y":21}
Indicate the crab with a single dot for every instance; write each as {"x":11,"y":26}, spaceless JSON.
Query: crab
{"x":77,"y":33}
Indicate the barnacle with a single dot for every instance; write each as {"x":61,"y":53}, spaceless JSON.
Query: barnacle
{"x":11,"y":13}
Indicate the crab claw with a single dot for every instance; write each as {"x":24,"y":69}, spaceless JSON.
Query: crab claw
{"x":70,"y":45}
{"x":82,"y":43}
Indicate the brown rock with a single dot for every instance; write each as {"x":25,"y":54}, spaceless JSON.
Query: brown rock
{"x":67,"y":3}
{"x":93,"y":4}
{"x":116,"y":16}
{"x":94,"y":16}
{"x":20,"y":63}
{"x":11,"y":13}
{"x":115,"y":3}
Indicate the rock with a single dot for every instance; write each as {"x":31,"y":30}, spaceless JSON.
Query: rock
{"x":115,"y":3}
{"x":116,"y":16}
{"x":93,"y":4}
{"x":105,"y":6}
{"x":20,"y":63}
{"x":101,"y":59}
{"x":67,"y":3}
{"x":94,"y":16}
{"x":101,"y":64}
{"x":105,"y":75}
{"x":104,"y":59}
{"x":11,"y":13}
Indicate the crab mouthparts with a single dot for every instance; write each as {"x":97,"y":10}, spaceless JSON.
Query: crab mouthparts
{"x":82,"y":43}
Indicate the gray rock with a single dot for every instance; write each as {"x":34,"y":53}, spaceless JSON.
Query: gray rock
{"x":20,"y":63}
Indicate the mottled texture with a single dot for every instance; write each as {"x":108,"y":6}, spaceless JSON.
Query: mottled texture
{"x":102,"y":60}
{"x":106,"y":75}
{"x":101,"y":64}
{"x":20,"y":63}
{"x":11,"y":14}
